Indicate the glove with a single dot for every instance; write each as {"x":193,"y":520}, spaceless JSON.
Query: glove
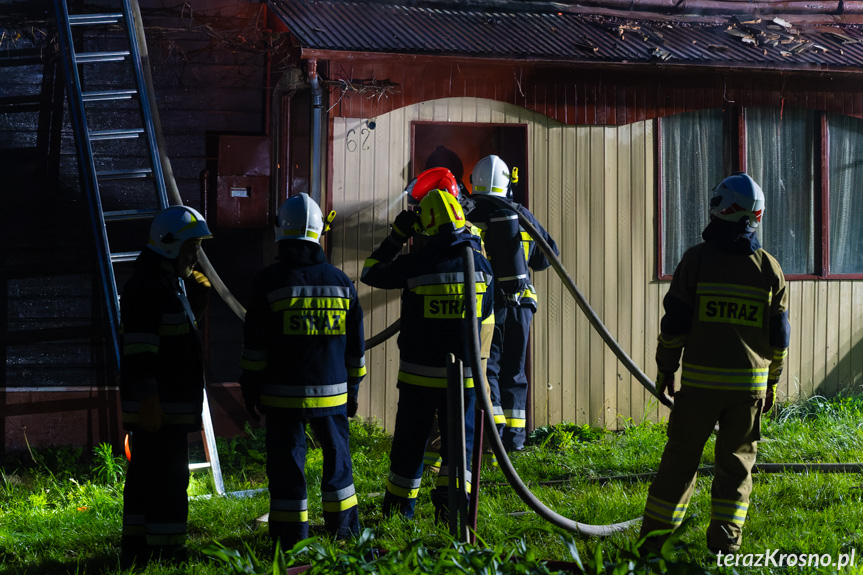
{"x":352,"y":406}
{"x":201,"y":279}
{"x":665,"y":382}
{"x":150,"y":414}
{"x":252,"y":399}
{"x":198,"y":293}
{"x":771,"y":396}
{"x":403,"y":225}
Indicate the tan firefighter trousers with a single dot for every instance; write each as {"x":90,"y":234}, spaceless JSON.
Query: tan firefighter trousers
{"x":695,"y":413}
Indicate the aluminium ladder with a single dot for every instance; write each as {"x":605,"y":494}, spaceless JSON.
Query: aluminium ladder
{"x":86,"y":109}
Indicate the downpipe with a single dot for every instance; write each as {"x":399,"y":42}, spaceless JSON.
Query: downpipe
{"x":317,"y":108}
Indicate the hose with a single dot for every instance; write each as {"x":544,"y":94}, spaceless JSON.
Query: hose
{"x":579,"y":298}
{"x":173,"y":192}
{"x":496,"y":444}
{"x":758,"y":468}
{"x":384,"y":335}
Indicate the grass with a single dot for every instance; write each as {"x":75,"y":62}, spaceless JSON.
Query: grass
{"x":60,"y":509}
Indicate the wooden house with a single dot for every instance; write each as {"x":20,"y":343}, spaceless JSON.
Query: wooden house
{"x":621,"y":117}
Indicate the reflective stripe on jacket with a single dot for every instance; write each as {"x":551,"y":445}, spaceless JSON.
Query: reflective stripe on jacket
{"x":480,"y":215}
{"x":433,"y":303}
{"x":304,"y":342}
{"x":727,"y":314}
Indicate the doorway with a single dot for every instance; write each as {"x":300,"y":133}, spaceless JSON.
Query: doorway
{"x":459,"y":147}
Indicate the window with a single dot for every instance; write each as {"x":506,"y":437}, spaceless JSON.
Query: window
{"x":845,"y":136}
{"x":690,"y":169}
{"x":780,"y":157}
{"x":782,"y":150}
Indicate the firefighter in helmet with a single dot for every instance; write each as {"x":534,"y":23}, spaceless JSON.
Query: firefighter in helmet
{"x":726,"y":312}
{"x":442,"y":178}
{"x":162,"y":382}
{"x":513,"y":253}
{"x":432,"y":326}
{"x":303,"y":359}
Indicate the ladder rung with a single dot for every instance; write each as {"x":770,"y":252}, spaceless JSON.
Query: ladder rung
{"x":108,"y":95}
{"x":119,"y":257}
{"x":83,"y":19}
{"x":91,"y":57}
{"x":109,"y":175}
{"x":22,"y":57}
{"x":197,"y":466}
{"x":124,"y":215}
{"x":28,"y":103}
{"x":116,"y":134}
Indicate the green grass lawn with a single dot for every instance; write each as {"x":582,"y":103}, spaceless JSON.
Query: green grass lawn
{"x":60,"y":509}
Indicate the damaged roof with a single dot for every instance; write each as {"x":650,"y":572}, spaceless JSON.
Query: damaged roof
{"x":705,"y":33}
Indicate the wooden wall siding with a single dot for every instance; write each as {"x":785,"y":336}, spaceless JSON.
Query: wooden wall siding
{"x":585,"y":96}
{"x":826,"y":352}
{"x":592,"y":189}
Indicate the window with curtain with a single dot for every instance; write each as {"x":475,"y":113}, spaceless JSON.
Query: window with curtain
{"x":780,"y":156}
{"x":845,"y":137}
{"x":799,"y":175}
{"x":691,"y":152}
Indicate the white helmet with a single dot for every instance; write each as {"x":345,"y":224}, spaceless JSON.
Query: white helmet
{"x":300,"y":218}
{"x":173,"y":226}
{"x":737,"y":197}
{"x":491,"y":176}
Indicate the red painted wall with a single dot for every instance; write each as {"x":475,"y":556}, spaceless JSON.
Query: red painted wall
{"x":579,"y":96}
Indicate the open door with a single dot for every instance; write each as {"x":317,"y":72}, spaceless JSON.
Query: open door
{"x":460,"y":146}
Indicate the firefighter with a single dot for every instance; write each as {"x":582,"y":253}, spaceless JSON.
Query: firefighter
{"x":303,"y":359}
{"x":433,"y":178}
{"x":727,"y":313}
{"x":442,"y":178}
{"x":162,"y":383}
{"x":432,"y":327}
{"x":513,"y":253}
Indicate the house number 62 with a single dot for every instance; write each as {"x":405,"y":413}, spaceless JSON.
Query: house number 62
{"x":351,"y":139}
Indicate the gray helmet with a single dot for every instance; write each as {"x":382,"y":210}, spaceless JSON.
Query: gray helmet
{"x":173,"y":226}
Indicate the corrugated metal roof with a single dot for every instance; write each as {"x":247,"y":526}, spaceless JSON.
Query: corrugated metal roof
{"x":771,"y":42}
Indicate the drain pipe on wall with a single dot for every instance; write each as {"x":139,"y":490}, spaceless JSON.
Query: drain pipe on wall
{"x":317,"y":110}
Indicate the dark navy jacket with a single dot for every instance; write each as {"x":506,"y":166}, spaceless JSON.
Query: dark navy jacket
{"x":161,"y":342}
{"x":478,"y":211}
{"x":304,"y":342}
{"x":433,"y":302}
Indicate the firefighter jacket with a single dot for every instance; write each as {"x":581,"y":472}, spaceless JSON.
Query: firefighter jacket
{"x":433,"y":303}
{"x":478,"y":211}
{"x":304,"y":345}
{"x":727,"y":312}
{"x":161,"y":343}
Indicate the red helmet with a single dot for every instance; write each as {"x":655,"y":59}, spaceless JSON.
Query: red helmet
{"x":433,"y":179}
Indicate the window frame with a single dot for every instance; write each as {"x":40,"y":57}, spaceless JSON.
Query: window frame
{"x":734,"y":158}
